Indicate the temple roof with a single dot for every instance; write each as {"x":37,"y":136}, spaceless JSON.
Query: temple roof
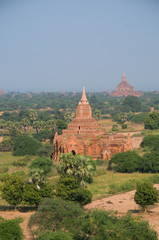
{"x":124,"y":83}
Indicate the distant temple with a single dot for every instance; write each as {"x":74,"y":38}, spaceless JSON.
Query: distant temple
{"x":125,"y":89}
{"x":84,"y":136}
{"x":2,"y":91}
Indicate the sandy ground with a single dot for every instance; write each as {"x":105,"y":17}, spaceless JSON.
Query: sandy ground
{"x":124,"y":203}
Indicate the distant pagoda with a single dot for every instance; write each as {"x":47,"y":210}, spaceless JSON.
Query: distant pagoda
{"x":125,"y":89}
{"x":2,"y":92}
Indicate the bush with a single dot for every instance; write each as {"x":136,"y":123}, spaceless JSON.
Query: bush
{"x":151,"y":141}
{"x":12,"y":189}
{"x":150,"y":163}
{"x":124,"y":126}
{"x":22,"y":162}
{"x":33,"y":195}
{"x":152,"y":121}
{"x":145,"y":194}
{"x":10,"y":229}
{"x":125,"y":162}
{"x":55,"y":236}
{"x":43,"y":135}
{"x":55,"y":215}
{"x":42,"y":163}
{"x":46,"y":151}
{"x":25,"y":145}
{"x":68,"y":188}
{"x":6,"y":145}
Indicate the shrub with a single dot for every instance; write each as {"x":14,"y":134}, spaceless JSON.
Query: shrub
{"x":25,"y":145}
{"x":150,"y":163}
{"x":124,"y":126}
{"x":54,"y":215}
{"x":125,"y":162}
{"x":55,"y":236}
{"x":145,"y":194}
{"x":12,"y":189}
{"x":6,"y":145}
{"x":43,"y":135}
{"x":42,"y":163}
{"x":68,"y":188}
{"x":46,"y":151}
{"x":22,"y":162}
{"x":10,"y":229}
{"x":151,"y":141}
{"x":33,"y":195}
{"x":152,"y":121}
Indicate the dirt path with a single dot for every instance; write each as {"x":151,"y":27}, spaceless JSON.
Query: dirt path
{"x":124,"y":203}
{"x":15,"y":214}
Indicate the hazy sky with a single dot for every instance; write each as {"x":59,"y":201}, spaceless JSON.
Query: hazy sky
{"x":54,"y":45}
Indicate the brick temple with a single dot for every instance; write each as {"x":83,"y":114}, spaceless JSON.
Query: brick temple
{"x":84,"y":136}
{"x":125,"y":89}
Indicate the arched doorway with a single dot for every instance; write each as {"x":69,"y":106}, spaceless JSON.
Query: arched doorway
{"x":73,"y":152}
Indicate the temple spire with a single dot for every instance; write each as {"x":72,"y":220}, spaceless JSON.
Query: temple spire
{"x":84,"y":98}
{"x":123,"y":78}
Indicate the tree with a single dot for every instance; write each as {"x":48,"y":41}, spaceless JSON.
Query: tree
{"x":50,"y":124}
{"x":81,"y":167}
{"x":55,"y":236}
{"x":97,"y":115}
{"x":10,"y":229}
{"x":12,"y":189}
{"x":33,"y":116}
{"x":125,"y":162}
{"x":68,"y":117}
{"x":6,"y":145}
{"x":132,"y":103}
{"x":145,"y":195}
{"x":150,"y":141}
{"x":9,"y":126}
{"x":54,"y":215}
{"x":39,"y":125}
{"x":42,"y":163}
{"x":152,"y":121}
{"x":25,"y":145}
{"x":25,"y":124}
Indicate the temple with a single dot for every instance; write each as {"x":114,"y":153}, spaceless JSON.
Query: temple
{"x":125,"y":89}
{"x":84,"y":136}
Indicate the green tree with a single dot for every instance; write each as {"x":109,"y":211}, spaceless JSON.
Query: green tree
{"x":152,"y":121}
{"x":25,"y":124}
{"x":39,"y":125}
{"x":132,"y":103}
{"x":125,"y":162}
{"x":97,"y":115}
{"x":59,"y":235}
{"x":81,"y":167}
{"x":33,"y":115}
{"x":12,"y":189}
{"x":25,"y":145}
{"x":42,"y":163}
{"x":6,"y":145}
{"x":145,"y":195}
{"x":54,"y":215}
{"x":50,"y":124}
{"x":68,"y":117}
{"x":10,"y":229}
{"x":9,"y":126}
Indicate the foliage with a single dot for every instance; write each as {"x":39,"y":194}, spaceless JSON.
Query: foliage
{"x":6,"y":145}
{"x":12,"y":189}
{"x":125,"y":162}
{"x":46,"y":150}
{"x":138,"y":118}
{"x":55,"y":215}
{"x":150,"y":163}
{"x":68,"y":188}
{"x":61,"y":124}
{"x":55,"y":236}
{"x":124,"y":126}
{"x":43,"y":135}
{"x":145,"y":194}
{"x":115,"y":128}
{"x":151,"y":141}
{"x":97,"y":114}
{"x":22,"y":162}
{"x":132,"y":103}
{"x":34,"y":195}
{"x":152,"y":121}
{"x":10,"y":229}
{"x":25,"y":145}
{"x":81,"y":167}
{"x":99,"y":224}
{"x":42,"y":163}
